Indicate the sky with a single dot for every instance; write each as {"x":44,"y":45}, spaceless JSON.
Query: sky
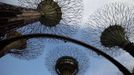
{"x":98,"y":65}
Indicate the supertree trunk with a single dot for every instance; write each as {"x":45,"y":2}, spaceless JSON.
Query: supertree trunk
{"x":133,"y":72}
{"x":67,"y":65}
{"x":14,"y":17}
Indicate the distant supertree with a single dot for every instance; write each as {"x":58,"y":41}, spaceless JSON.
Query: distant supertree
{"x":23,"y":49}
{"x":57,"y":16}
{"x":111,"y":28}
{"x":133,"y":72}
{"x":58,"y":60}
{"x":67,"y":65}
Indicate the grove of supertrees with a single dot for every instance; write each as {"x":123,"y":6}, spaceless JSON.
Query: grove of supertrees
{"x":110,"y":28}
{"x":54,"y":16}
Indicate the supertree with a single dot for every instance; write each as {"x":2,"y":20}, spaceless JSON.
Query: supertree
{"x":111,"y":28}
{"x":133,"y":72}
{"x":66,"y":65}
{"x":23,"y":49}
{"x":13,"y":17}
{"x":57,"y":16}
{"x":67,"y":59}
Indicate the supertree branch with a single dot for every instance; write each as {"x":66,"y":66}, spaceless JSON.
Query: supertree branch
{"x":5,"y":42}
{"x":14,"y":17}
{"x":29,"y":3}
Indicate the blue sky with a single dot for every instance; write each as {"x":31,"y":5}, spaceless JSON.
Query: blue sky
{"x":98,"y":65}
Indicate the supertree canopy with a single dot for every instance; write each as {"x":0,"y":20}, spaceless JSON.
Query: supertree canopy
{"x":111,"y":28}
{"x":57,"y":16}
{"x":24,"y":48}
{"x":76,"y":60}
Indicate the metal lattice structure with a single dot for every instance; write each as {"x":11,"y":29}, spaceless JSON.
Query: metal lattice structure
{"x":63,"y":17}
